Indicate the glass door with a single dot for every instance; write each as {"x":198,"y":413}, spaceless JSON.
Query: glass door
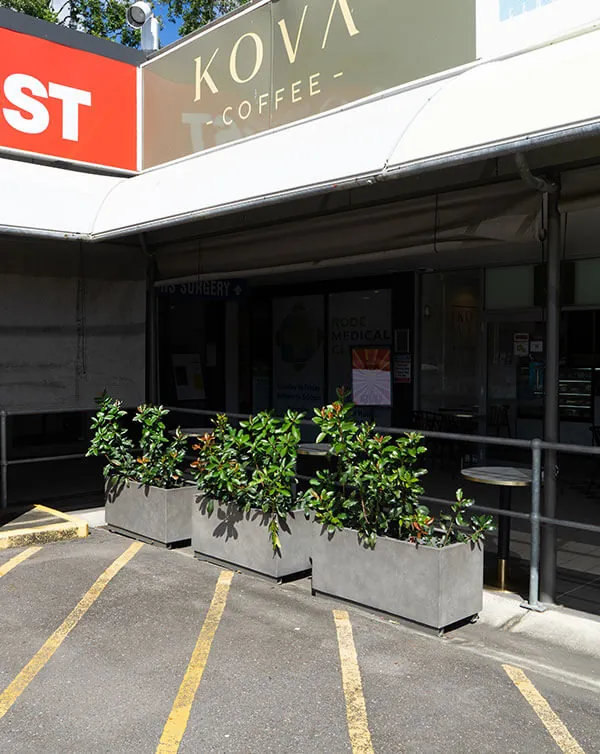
{"x":515,"y":377}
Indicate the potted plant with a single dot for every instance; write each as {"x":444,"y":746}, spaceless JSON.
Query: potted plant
{"x":246,"y":513}
{"x":147,"y":495}
{"x":377,"y":544}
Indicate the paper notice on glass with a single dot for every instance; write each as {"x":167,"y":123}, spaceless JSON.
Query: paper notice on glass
{"x":403,"y":369}
{"x":521,"y":343}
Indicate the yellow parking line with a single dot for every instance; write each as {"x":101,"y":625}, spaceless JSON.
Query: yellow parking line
{"x":177,"y":721}
{"x":12,"y":692}
{"x":554,"y":725}
{"x":356,"y":709}
{"x":13,"y":562}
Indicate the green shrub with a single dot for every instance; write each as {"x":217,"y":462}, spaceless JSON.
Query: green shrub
{"x":253,"y":466}
{"x":375,"y":487}
{"x":157,"y":459}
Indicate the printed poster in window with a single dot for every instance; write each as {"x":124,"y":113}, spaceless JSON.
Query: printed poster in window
{"x":371,"y":377}
{"x":521,"y":343}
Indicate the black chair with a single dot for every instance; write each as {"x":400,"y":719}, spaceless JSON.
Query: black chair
{"x":498,"y":420}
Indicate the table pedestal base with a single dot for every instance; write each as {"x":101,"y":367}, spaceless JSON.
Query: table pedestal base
{"x":501,"y":574}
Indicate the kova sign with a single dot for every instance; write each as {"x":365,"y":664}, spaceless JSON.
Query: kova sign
{"x":280,"y":61}
{"x":65,"y":103}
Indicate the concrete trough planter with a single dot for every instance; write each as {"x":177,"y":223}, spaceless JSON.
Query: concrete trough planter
{"x":435,"y":587}
{"x":151,"y":514}
{"x":231,"y":537}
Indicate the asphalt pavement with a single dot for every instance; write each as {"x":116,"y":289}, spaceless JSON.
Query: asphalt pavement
{"x":111,"y":646}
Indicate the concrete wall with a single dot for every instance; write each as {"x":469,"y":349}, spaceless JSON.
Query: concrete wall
{"x":72,"y":322}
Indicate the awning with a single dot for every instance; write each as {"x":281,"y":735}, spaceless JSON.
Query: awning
{"x":39,"y":200}
{"x":539,"y":97}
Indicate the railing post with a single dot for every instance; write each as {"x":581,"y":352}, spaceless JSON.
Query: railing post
{"x":551,"y":410}
{"x":534,"y":566}
{"x":3,"y":460}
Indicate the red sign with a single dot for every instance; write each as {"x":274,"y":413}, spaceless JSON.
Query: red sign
{"x":66,"y":103}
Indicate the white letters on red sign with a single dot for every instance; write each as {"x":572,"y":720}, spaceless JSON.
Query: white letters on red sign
{"x":16,"y":88}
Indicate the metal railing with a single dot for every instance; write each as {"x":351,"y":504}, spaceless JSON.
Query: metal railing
{"x":6,"y":462}
{"x":536,"y":447}
{"x":535,"y":518}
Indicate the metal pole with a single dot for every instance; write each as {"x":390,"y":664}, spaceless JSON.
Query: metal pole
{"x":152,"y":319}
{"x":551,"y":412}
{"x":4,"y":459}
{"x":534,"y":566}
{"x":503,"y":537}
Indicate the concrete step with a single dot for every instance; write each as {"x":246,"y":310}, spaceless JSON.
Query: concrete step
{"x":38,"y":524}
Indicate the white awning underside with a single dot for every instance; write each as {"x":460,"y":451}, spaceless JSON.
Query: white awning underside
{"x":510,"y":104}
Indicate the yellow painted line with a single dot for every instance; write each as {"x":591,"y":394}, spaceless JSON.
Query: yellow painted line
{"x":66,"y":517}
{"x":13,"y":562}
{"x":356,"y":709}
{"x":177,"y":721}
{"x":554,"y":725}
{"x":12,"y":692}
{"x":53,"y":511}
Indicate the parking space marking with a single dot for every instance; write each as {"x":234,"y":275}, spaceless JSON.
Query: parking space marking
{"x":554,"y":725}
{"x":356,"y":708}
{"x":12,"y":692}
{"x":13,"y":562}
{"x":177,"y":721}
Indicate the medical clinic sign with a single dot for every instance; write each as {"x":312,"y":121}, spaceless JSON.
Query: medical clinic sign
{"x":278,"y":62}
{"x":66,"y":103}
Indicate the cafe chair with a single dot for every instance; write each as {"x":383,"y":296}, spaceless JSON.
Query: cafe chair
{"x":498,"y":420}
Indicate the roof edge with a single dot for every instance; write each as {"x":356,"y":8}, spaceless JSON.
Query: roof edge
{"x":62,"y":35}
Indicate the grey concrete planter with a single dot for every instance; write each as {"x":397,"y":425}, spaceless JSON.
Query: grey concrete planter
{"x":230,"y":536}
{"x":431,"y":586}
{"x":151,"y":514}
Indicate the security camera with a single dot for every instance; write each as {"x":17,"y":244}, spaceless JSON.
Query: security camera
{"x":138,"y":14}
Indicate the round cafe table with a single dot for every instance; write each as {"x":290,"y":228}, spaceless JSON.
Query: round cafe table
{"x":194,"y":431}
{"x":314,"y":449}
{"x":504,"y":477}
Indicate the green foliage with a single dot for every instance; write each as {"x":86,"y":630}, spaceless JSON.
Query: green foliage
{"x":196,"y":13}
{"x":106,"y":18}
{"x":103,"y":18}
{"x":253,"y":466}
{"x":160,"y":458}
{"x":100,"y":18}
{"x":36,"y":8}
{"x":376,"y":487}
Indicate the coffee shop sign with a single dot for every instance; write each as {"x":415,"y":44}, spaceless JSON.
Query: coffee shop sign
{"x":205,"y":80}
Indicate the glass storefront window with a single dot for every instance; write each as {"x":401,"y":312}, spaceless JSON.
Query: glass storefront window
{"x":357,"y":319}
{"x":587,"y":282}
{"x":509,"y":287}
{"x":450,"y":332}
